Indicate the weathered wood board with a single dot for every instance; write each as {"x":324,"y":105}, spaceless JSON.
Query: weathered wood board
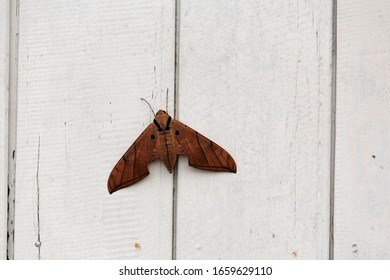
{"x":4,"y":79}
{"x":83,"y":67}
{"x":362,"y":193}
{"x":255,"y":77}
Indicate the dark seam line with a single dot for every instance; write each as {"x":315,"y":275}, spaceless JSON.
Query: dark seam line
{"x":333,"y":133}
{"x":175,"y":115}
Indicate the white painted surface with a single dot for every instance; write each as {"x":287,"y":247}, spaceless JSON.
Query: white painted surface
{"x":12,"y":120}
{"x":4,"y":63}
{"x":83,"y":67}
{"x":362,"y":194}
{"x":255,"y":77}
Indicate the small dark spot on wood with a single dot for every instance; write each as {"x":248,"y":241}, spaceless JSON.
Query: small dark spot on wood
{"x":295,"y":254}
{"x":64,"y":123}
{"x":152,"y":136}
{"x":177,"y":132}
{"x":273,"y":235}
{"x":373,"y":156}
{"x":355,"y":249}
{"x":13,"y":154}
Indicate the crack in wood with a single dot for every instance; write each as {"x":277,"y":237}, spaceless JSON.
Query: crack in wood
{"x":38,"y":242}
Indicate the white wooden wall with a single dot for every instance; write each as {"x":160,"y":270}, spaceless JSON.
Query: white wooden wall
{"x":257,"y":77}
{"x":362,"y":189}
{"x":83,"y":67}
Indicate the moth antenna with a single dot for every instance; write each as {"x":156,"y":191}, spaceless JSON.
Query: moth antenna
{"x":149,"y":107}
{"x":166,"y":101}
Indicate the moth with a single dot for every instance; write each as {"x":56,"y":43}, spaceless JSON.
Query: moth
{"x":165,"y":139}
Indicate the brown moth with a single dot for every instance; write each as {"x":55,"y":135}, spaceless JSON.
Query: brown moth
{"x":166,"y":138}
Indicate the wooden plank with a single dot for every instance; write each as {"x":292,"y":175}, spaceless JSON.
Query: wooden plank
{"x":362,"y":211}
{"x":255,"y":77}
{"x":4,"y":65}
{"x":12,"y":119}
{"x":83,"y":67}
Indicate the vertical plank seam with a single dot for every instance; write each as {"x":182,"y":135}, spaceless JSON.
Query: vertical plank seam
{"x":176,"y":66}
{"x":333,"y":130}
{"x":175,"y":114}
{"x":12,"y":121}
{"x":4,"y":128}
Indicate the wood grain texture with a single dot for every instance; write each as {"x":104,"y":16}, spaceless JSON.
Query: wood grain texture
{"x":362,"y":194}
{"x":83,"y":68}
{"x":4,"y":78}
{"x":255,"y":77}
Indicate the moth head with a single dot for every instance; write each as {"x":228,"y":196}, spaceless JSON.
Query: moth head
{"x":162,"y":120}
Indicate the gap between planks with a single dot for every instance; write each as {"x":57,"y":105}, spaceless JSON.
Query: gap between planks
{"x":12,"y":119}
{"x":333,"y":130}
{"x":175,"y":116}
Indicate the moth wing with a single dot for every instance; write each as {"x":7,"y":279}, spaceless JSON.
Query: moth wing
{"x":202,"y":153}
{"x":133,"y":165}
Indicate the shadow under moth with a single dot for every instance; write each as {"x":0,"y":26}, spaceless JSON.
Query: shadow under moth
{"x":166,"y":138}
